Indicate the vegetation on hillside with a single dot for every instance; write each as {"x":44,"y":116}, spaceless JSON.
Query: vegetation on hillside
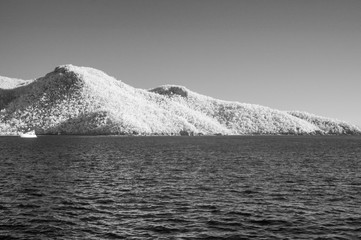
{"x":327,"y":125}
{"x":80,"y":100}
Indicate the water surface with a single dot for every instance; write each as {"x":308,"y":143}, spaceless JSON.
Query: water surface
{"x":280,"y":187}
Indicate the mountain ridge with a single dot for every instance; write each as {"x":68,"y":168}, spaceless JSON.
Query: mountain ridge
{"x":83,"y":100}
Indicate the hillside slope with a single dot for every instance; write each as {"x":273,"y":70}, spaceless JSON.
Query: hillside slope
{"x":11,"y":83}
{"x":11,"y":88}
{"x":327,"y":125}
{"x":81,"y":100}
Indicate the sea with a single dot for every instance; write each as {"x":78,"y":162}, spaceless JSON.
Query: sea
{"x":204,"y":187}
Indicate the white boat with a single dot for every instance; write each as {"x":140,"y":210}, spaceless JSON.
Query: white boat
{"x":30,"y":134}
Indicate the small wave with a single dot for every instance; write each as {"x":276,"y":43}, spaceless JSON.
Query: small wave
{"x":113,"y":235}
{"x":163,"y":229}
{"x":246,"y":214}
{"x":264,"y":222}
{"x":9,"y":237}
{"x":28,"y":206}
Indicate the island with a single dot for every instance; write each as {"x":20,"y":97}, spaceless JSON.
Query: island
{"x":87,"y":101}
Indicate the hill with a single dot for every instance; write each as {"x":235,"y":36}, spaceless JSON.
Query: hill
{"x":81,"y":100}
{"x":327,"y":125}
{"x":11,"y":83}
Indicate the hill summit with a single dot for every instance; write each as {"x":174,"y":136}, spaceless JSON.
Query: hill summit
{"x":83,"y":100}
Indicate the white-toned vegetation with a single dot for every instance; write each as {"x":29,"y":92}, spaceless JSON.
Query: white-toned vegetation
{"x":327,"y":125}
{"x":80,"y":100}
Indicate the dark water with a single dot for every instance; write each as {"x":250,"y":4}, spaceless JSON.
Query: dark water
{"x":180,"y":188}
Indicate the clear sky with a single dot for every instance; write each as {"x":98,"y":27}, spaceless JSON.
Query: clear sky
{"x":286,"y":54}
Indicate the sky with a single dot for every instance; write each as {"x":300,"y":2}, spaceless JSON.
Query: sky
{"x":285,"y":54}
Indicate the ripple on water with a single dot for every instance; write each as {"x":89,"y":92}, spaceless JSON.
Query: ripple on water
{"x":180,"y":188}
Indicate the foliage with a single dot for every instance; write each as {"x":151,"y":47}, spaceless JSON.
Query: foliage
{"x":80,"y":100}
{"x":327,"y":125}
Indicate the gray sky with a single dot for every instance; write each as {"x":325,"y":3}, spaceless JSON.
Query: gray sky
{"x":285,"y":54}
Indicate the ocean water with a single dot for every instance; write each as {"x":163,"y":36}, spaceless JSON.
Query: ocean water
{"x":244,"y":187}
